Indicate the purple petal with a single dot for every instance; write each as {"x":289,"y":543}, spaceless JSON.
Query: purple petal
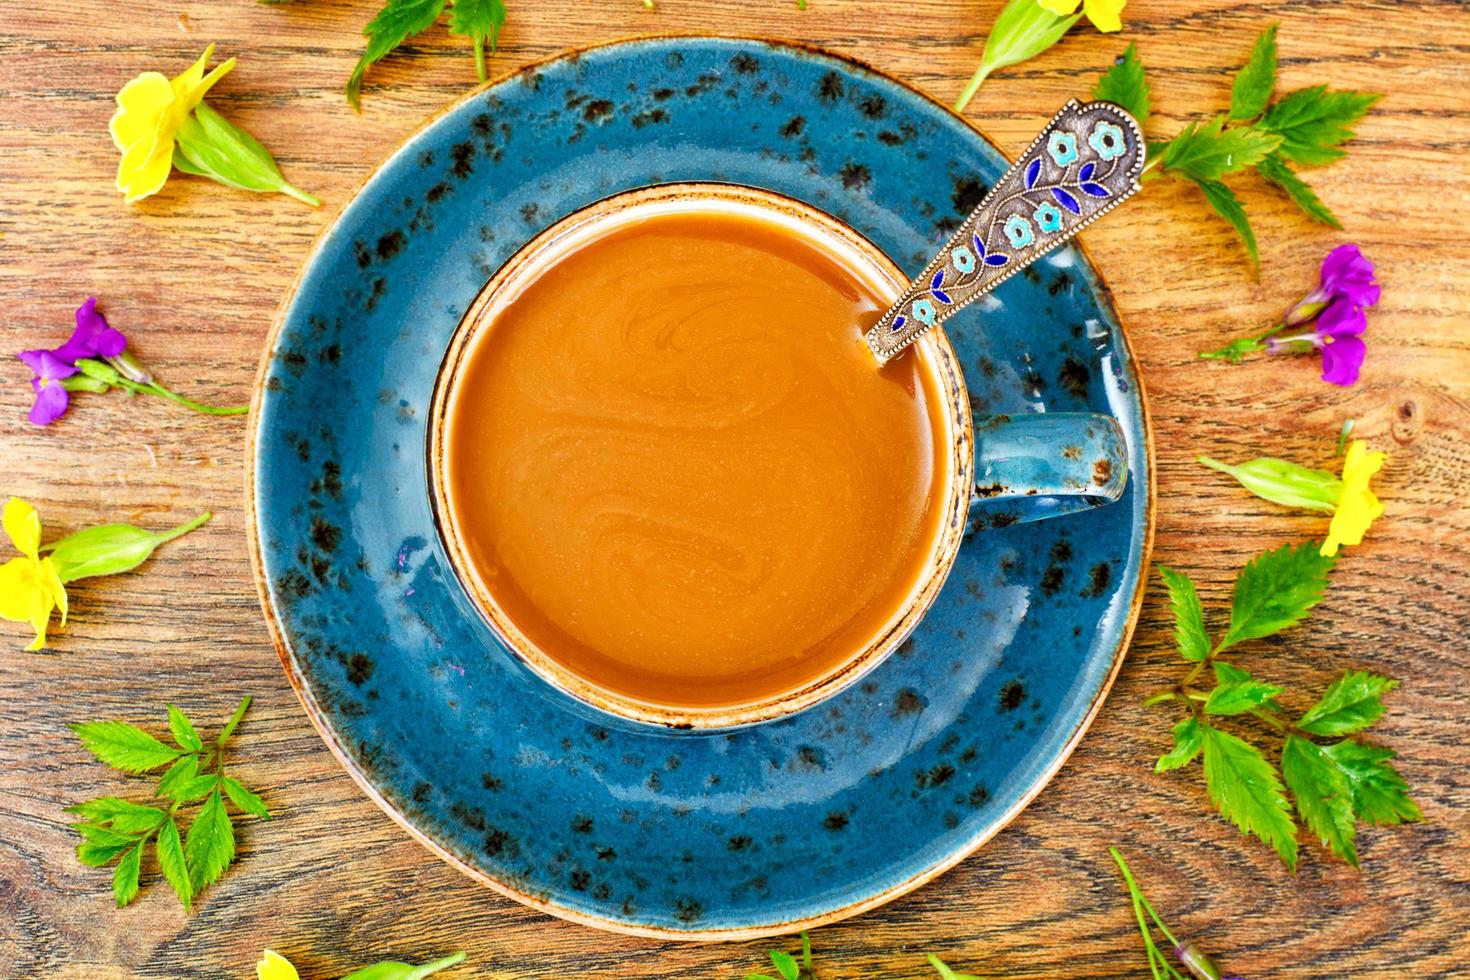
{"x":32,"y":359}
{"x":1341,"y":318}
{"x":51,"y":402}
{"x":46,"y":364}
{"x":92,"y":336}
{"x":1066,"y":200}
{"x":1341,"y":359}
{"x":1345,"y":272}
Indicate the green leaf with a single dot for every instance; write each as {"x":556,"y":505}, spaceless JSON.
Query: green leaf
{"x":404,"y":971}
{"x":196,"y":789}
{"x":945,"y":973}
{"x":1228,"y":206}
{"x":1252,"y":88}
{"x":395,"y":23}
{"x":181,"y":772}
{"x":1189,"y":740}
{"x":1209,"y":151}
{"x":171,"y":862}
{"x":1189,"y":615}
{"x":1322,"y":796}
{"x":1283,"y":483}
{"x":106,"y":809}
{"x":94,"y":833}
{"x":216,"y":148}
{"x":1278,"y":172}
{"x":234,"y":722}
{"x":785,"y":964}
{"x":210,"y":845}
{"x":1350,"y":704}
{"x":1236,"y":692}
{"x":1245,"y":788}
{"x":1126,"y":84}
{"x":104,"y":550}
{"x":125,"y":876}
{"x":95,"y":855}
{"x":1380,"y":794}
{"x":124,"y":747}
{"x":1313,"y":122}
{"x":247,"y":801}
{"x":479,"y":20}
{"x":183,"y":730}
{"x":1277,"y":590}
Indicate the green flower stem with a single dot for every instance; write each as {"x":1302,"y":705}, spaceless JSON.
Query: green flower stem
{"x":973,"y":86}
{"x":234,"y":721}
{"x":291,"y":190}
{"x":480,"y":59}
{"x":185,"y":528}
{"x":154,"y":388}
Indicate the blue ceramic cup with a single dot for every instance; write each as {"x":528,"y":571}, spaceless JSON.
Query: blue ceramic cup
{"x":1002,"y":469}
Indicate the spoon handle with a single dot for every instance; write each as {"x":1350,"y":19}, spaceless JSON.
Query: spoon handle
{"x":1082,"y":165}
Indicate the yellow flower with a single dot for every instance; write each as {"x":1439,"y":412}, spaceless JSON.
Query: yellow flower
{"x":1357,"y":507}
{"x":29,"y":585}
{"x":1104,"y":14}
{"x":150,"y":110}
{"x":274,"y":966}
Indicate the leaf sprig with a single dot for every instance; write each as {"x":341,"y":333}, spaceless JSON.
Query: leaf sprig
{"x":1303,"y":128}
{"x":399,"y":20}
{"x":115,"y":829}
{"x":1334,"y":785}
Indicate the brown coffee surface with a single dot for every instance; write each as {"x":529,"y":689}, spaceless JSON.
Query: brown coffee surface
{"x":679,"y":471}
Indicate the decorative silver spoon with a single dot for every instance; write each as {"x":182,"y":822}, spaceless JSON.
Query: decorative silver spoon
{"x":1082,"y":165}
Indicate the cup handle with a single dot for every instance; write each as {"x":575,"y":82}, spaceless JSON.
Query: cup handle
{"x":1030,"y":467}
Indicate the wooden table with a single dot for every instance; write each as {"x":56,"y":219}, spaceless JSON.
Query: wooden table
{"x":195,"y":273}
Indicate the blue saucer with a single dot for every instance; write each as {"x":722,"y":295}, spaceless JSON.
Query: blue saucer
{"x":763,"y":830}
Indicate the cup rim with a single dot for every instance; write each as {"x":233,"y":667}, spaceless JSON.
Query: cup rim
{"x":872,"y":264}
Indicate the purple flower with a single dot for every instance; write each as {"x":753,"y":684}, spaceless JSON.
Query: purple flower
{"x":1346,"y":274}
{"x":1337,"y":334}
{"x":92,"y":336}
{"x":51,"y":397}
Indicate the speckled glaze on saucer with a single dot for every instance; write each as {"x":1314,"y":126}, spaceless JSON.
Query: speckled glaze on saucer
{"x":610,"y":823}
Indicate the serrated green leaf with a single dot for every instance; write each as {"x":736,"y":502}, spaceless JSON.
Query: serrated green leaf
{"x":1209,"y":151}
{"x":183,"y":730}
{"x":247,"y":801}
{"x":404,"y":971}
{"x":1189,"y":615}
{"x":1350,"y":704}
{"x":1314,"y":122}
{"x":785,"y":964}
{"x":1189,"y":740}
{"x":121,"y":815}
{"x":125,"y":876}
{"x":196,"y":789}
{"x":1276,"y":590}
{"x":1228,"y":206}
{"x":96,"y":833}
{"x":395,"y":23}
{"x":171,"y":862}
{"x":124,"y":747}
{"x":1254,"y":83}
{"x":1237,"y":692}
{"x":234,"y":722}
{"x":1279,"y":172}
{"x":182,"y":771}
{"x":95,"y":855}
{"x":480,"y":21}
{"x":945,"y":973}
{"x":1126,"y":84}
{"x":210,"y":845}
{"x":1380,"y":795}
{"x":1283,"y":482}
{"x":1245,"y":788}
{"x":1323,"y":797}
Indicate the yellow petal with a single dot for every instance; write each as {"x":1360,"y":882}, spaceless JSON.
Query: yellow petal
{"x":191,"y":75}
{"x":23,"y":525}
{"x":1062,"y":8}
{"x":17,"y":577}
{"x":274,"y":966}
{"x":141,"y":106}
{"x":1104,"y":14}
{"x":139,"y":177}
{"x":190,"y":87}
{"x":51,"y":581}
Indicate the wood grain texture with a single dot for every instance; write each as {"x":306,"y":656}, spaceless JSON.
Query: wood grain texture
{"x":195,"y":273}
